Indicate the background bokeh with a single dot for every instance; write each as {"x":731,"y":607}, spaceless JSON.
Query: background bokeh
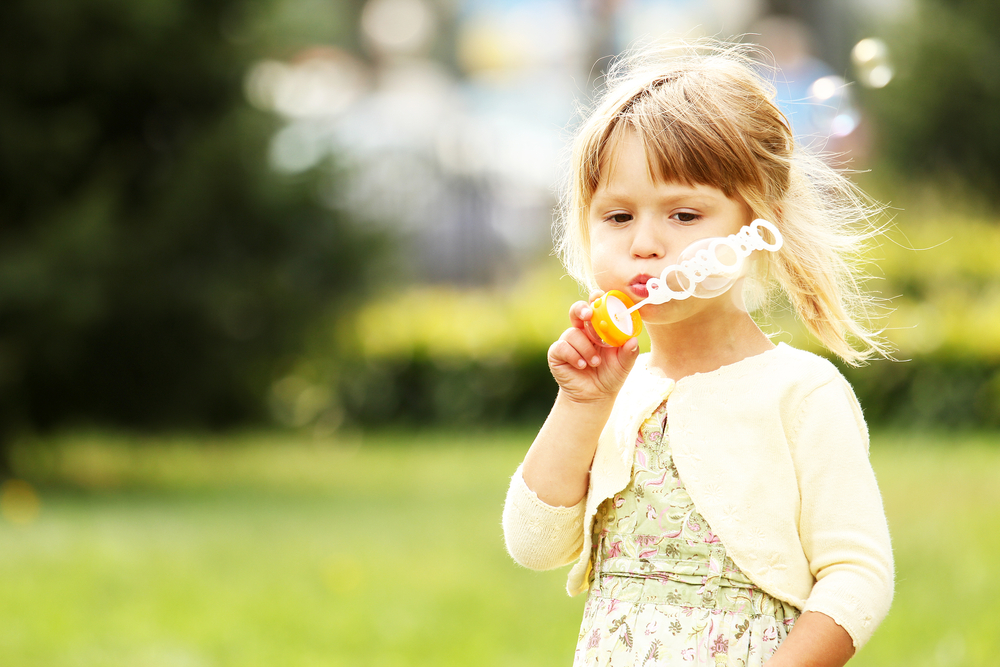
{"x":254,"y":253}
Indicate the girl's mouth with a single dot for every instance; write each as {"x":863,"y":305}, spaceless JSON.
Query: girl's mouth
{"x":638,"y":286}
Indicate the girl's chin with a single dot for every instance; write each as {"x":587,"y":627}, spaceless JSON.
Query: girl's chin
{"x":662,"y":313}
{"x":691,"y":310}
{"x":676,"y":311}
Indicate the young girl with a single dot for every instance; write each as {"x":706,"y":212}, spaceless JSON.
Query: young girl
{"x":715,"y":495}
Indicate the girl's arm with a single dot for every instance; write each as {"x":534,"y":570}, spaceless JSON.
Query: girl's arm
{"x":557,"y":466}
{"x":589,"y":374}
{"x":842,"y":528}
{"x":544,"y":511}
{"x":815,"y":641}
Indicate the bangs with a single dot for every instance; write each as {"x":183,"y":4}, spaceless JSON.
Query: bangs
{"x":688,"y":138}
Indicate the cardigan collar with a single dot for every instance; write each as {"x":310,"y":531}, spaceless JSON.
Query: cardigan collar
{"x":654,"y":376}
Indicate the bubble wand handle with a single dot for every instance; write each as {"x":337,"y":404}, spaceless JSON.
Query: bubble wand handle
{"x":707,"y":263}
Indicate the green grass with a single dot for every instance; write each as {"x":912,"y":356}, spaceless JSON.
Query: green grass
{"x":278,"y":550}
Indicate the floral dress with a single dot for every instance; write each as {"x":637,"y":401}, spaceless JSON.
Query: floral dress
{"x":662,"y":590}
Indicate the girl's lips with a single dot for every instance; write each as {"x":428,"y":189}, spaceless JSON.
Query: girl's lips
{"x":638,"y":286}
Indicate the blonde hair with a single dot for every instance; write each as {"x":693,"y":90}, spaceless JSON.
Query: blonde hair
{"x":706,"y":116}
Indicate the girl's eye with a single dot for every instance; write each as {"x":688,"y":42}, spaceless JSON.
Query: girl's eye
{"x":621,"y":217}
{"x":686,"y":216}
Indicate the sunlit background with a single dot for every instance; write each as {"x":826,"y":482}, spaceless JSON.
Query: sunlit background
{"x":276,"y":287}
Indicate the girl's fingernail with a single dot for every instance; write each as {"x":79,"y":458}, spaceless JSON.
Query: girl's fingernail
{"x":581,"y":363}
{"x":595,"y":360}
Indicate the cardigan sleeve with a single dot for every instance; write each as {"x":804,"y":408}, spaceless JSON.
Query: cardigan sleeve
{"x":842,"y":523}
{"x":540,"y":536}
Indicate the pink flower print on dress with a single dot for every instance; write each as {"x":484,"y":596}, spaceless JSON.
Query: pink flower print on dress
{"x":658,"y":482}
{"x":687,"y":655}
{"x":720,"y":645}
{"x":647,"y":553}
{"x":615,"y":550}
{"x":651,"y":512}
{"x":670,"y":533}
{"x":712,"y":538}
{"x":640,"y":458}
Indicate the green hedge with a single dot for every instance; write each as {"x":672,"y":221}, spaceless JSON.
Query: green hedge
{"x":933,"y":391}
{"x":421,"y":390}
{"x":923,"y":392}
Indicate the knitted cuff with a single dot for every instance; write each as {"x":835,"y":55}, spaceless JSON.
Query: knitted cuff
{"x":538,"y":535}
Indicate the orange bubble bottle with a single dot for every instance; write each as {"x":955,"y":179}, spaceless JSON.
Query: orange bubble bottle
{"x":612,"y":320}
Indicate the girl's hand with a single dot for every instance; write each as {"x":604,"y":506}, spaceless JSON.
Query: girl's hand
{"x":586,"y":368}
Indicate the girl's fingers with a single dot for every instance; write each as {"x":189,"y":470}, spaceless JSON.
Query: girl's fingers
{"x":562,"y":353}
{"x":574,"y":348}
{"x":580,"y":313}
{"x":628,"y":353}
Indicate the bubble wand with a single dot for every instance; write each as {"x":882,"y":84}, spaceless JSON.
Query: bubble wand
{"x":707,"y":268}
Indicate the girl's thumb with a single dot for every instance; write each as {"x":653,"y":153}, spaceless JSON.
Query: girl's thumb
{"x":628,"y":353}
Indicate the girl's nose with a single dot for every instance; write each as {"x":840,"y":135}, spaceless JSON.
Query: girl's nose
{"x":646,"y":243}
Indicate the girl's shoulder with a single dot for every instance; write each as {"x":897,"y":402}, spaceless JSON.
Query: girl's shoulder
{"x":802,"y":363}
{"x":795,"y":373}
{"x":806,"y":385}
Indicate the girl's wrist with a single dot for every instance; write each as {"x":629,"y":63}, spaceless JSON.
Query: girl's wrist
{"x":588,"y":403}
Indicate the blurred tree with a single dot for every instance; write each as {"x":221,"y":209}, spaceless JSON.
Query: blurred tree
{"x":152,"y":271}
{"x":938,"y":116}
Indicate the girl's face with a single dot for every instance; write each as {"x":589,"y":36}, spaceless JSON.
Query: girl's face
{"x":639,"y":226}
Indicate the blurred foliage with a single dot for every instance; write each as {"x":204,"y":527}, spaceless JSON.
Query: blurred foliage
{"x":947,"y":277}
{"x":445,"y":355}
{"x":938,"y":266}
{"x":440,"y":355}
{"x":485,"y":323}
{"x":152,"y":270}
{"x":938,"y":116}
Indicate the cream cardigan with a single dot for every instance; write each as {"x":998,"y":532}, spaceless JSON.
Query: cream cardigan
{"x":774,"y":452}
